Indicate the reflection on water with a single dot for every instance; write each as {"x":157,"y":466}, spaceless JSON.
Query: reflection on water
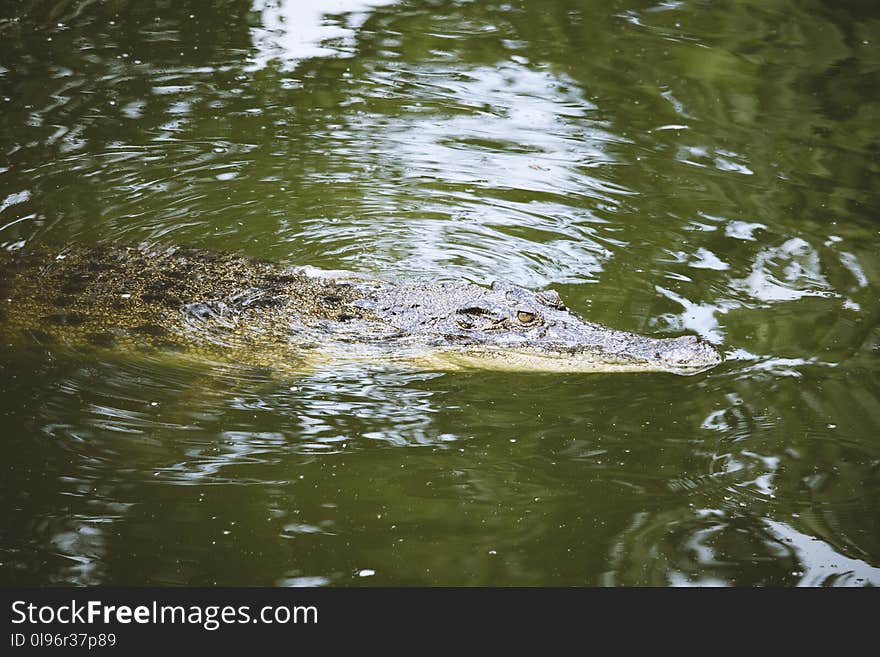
{"x":668,"y":167}
{"x":291,"y":31}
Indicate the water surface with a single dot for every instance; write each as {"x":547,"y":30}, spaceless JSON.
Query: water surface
{"x":672,"y":167}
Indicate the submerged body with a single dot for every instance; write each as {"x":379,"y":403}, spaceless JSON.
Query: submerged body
{"x":230,"y":307}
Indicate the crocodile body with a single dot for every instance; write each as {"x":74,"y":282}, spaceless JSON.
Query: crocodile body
{"x":233,"y":308}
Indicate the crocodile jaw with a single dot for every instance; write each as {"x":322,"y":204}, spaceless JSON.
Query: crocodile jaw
{"x":684,"y":356}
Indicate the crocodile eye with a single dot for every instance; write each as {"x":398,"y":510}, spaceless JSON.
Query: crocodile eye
{"x":525,"y":316}
{"x":551,"y":298}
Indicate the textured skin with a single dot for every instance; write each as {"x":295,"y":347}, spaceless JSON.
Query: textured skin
{"x":228,"y":307}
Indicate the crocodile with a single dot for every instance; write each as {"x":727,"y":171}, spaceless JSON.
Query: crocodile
{"x":230,"y":307}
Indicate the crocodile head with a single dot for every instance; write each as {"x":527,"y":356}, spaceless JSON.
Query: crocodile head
{"x":508,"y":327}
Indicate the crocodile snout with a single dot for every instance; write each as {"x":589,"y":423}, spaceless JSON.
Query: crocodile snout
{"x":689,"y":353}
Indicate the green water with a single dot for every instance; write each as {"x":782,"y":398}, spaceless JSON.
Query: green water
{"x":672,"y":167}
